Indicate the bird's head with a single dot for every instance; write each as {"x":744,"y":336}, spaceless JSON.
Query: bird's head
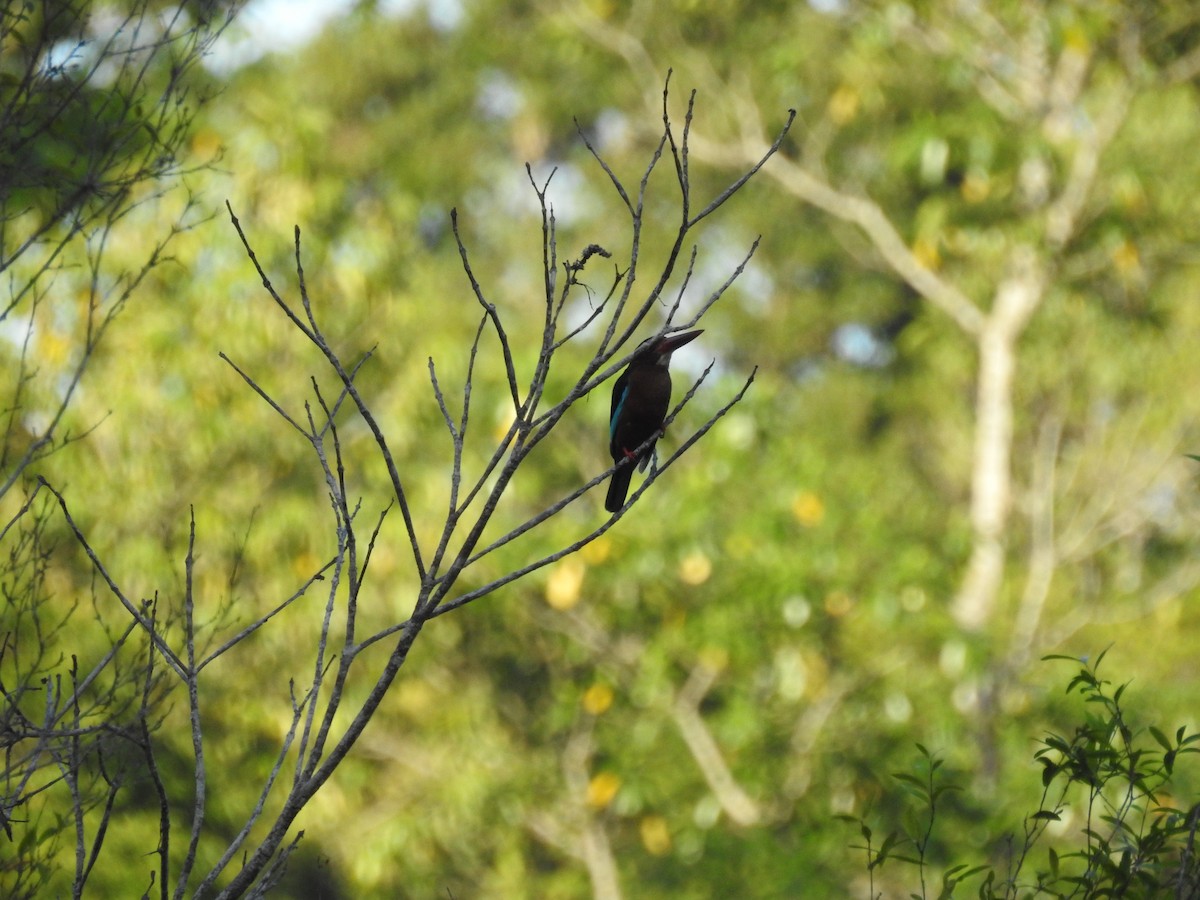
{"x":657,"y":350}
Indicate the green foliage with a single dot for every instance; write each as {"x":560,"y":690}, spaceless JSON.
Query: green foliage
{"x":1107,"y":822}
{"x":804,"y":558}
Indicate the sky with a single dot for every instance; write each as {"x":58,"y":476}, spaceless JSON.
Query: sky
{"x":267,"y":26}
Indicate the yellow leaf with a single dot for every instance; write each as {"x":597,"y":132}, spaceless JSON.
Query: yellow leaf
{"x":601,"y":789}
{"x":565,"y":583}
{"x":843,"y":104}
{"x":55,"y":347}
{"x":926,"y":251}
{"x":695,"y":568}
{"x":656,"y":836}
{"x":808,"y":509}
{"x":597,"y":698}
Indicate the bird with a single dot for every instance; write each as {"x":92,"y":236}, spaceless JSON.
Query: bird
{"x":640,"y":398}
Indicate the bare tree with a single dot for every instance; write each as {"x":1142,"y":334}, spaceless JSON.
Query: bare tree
{"x":325,"y":723}
{"x":95,"y":110}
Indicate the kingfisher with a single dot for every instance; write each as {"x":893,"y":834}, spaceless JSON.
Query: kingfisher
{"x":640,"y":398}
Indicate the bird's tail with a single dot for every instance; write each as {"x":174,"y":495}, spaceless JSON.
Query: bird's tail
{"x":618,"y":488}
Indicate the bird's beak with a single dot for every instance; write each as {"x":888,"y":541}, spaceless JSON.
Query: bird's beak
{"x":673,"y":342}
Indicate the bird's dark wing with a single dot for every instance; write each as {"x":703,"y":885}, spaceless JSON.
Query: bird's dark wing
{"x":618,"y":400}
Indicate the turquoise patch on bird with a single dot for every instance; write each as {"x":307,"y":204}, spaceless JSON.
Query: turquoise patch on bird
{"x":612,"y":425}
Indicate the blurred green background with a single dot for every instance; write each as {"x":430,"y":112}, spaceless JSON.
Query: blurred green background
{"x":760,"y":643}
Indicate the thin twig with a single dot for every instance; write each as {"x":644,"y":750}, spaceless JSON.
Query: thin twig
{"x":158,"y":640}
{"x":489,"y":309}
{"x":199,"y":770}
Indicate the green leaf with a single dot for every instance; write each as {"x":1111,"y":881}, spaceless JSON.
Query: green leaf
{"x":1160,"y":738}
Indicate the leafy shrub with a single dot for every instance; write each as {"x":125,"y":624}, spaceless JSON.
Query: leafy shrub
{"x":1134,"y":842}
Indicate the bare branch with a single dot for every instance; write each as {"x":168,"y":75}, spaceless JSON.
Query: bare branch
{"x":258,"y":623}
{"x":146,"y":624}
{"x":253,"y":385}
{"x":200,"y":774}
{"x":489,"y":310}
{"x":737,"y":185}
{"x":346,"y":377}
